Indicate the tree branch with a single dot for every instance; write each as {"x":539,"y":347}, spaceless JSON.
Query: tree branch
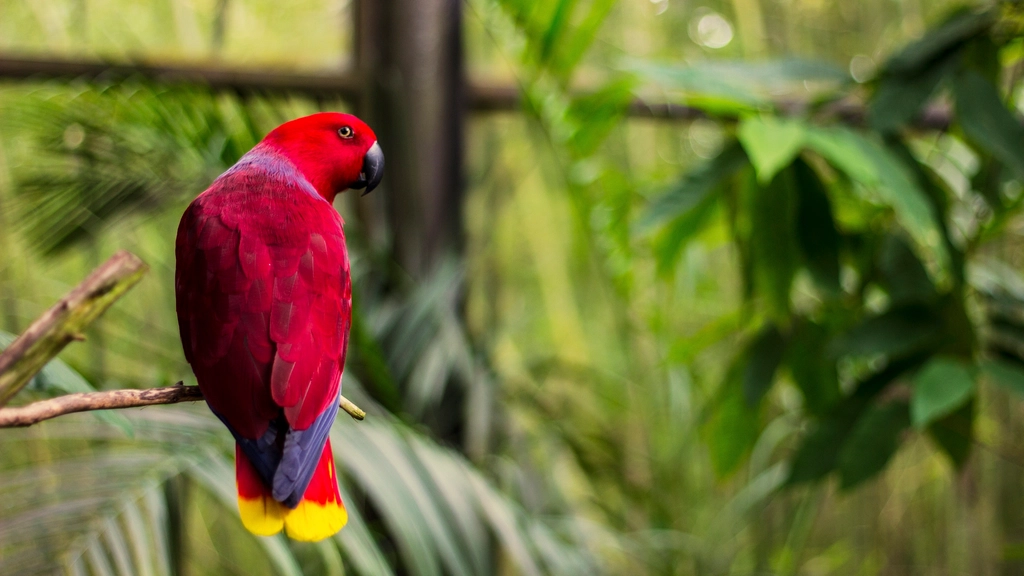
{"x":64,"y":323}
{"x":66,"y":320}
{"x":113,"y":400}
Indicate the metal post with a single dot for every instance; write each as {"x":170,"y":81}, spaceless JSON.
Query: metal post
{"x":409,"y":59}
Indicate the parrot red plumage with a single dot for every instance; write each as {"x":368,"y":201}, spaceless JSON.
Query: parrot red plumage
{"x":264,"y":309}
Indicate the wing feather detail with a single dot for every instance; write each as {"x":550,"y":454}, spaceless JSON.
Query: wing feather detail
{"x":264,"y":302}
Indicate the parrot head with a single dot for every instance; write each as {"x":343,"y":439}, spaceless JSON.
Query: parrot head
{"x":333,"y":151}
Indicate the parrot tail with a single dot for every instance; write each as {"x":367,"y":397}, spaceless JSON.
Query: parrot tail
{"x":320,"y":514}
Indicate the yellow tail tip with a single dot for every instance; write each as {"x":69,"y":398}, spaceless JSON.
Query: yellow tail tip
{"x":320,"y":514}
{"x":263,"y":516}
{"x":311,"y":521}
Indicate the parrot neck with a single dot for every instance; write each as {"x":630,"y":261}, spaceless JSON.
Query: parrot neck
{"x":278,"y":162}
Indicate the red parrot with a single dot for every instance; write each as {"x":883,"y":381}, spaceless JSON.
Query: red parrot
{"x":264,"y":303}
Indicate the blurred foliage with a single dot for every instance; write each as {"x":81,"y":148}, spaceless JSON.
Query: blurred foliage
{"x":764,"y":341}
{"x":853,"y":261}
{"x":124,"y":508}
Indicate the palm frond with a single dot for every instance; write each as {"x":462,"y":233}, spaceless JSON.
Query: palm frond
{"x":91,"y":500}
{"x":101,"y":153}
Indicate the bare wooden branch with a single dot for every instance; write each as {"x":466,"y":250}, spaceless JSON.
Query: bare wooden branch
{"x":64,"y":323}
{"x":114,"y":400}
{"x":351,"y":409}
{"x":87,"y":401}
{"x":66,"y":320}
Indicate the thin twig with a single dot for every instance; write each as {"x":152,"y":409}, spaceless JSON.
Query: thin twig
{"x":351,"y":409}
{"x":113,"y":400}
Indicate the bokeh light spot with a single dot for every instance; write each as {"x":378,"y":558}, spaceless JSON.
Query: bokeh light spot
{"x":710,"y":29}
{"x":862,"y":68}
{"x":74,"y":136}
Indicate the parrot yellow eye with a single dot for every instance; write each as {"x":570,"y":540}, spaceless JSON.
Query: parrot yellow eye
{"x":345,"y":132}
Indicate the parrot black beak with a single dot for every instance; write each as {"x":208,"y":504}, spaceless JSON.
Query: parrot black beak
{"x":373,"y":169}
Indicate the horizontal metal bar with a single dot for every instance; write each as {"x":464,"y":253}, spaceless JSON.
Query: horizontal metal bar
{"x":482,"y":97}
{"x":232,"y":79}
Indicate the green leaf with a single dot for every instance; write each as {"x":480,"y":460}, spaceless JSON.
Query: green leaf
{"x":698,"y":82}
{"x":902,"y":274}
{"x":773,"y":74}
{"x":816,"y":229}
{"x":824,"y":446}
{"x":598,"y":113}
{"x":556,"y":28}
{"x":872,"y":442}
{"x":912,"y":76}
{"x":731,"y":430}
{"x":986,"y":120}
{"x":899,"y":97}
{"x":898,"y":189}
{"x":938,"y":196}
{"x":953,"y":433}
{"x":670,"y":242}
{"x":771,"y":143}
{"x":818,"y":454}
{"x":572,"y":46}
{"x":1009,"y":375}
{"x":744,"y":83}
{"x":844,"y":149}
{"x":981,"y":54}
{"x":775,"y":255}
{"x":694,"y":186}
{"x":869,"y":163}
{"x":939,"y":42}
{"x":780,"y":72}
{"x":762,"y":357}
{"x":813,"y":371}
{"x":898,"y":332}
{"x":942,"y":386}
{"x":989,"y":180}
